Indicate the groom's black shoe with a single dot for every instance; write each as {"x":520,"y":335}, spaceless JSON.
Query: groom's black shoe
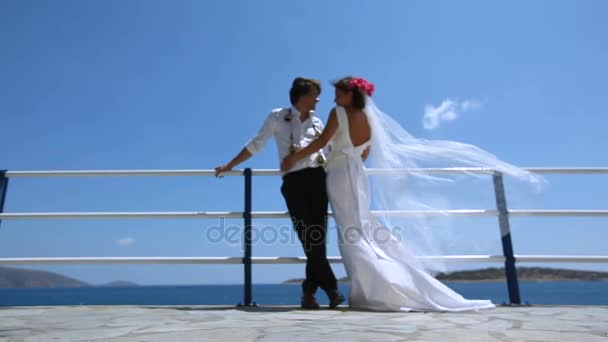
{"x":335,"y":298}
{"x":309,"y":301}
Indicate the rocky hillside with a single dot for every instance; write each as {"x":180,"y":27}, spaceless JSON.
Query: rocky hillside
{"x":23,"y":278}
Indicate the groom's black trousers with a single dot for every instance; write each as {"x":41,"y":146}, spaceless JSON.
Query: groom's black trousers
{"x":306,"y":198}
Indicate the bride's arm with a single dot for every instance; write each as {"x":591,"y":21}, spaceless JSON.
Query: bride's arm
{"x":319,"y":143}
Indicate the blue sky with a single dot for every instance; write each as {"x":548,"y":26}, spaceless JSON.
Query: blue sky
{"x":184,"y":85}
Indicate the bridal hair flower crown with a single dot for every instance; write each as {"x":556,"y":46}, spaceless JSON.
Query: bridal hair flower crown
{"x":362,"y":84}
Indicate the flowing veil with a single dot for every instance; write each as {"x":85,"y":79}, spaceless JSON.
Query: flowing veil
{"x":393,"y":149}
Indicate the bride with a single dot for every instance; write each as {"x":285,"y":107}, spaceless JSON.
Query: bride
{"x":385,"y":273}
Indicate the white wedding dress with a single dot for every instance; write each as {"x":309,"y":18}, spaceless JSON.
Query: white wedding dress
{"x":384,"y":275}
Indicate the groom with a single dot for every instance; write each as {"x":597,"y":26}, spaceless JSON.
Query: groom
{"x":303,"y":186}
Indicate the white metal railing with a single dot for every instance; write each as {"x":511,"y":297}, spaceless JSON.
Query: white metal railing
{"x":501,"y":212}
{"x":274,"y":172}
{"x":218,"y":214}
{"x":290,"y":260}
{"x":284,"y":214}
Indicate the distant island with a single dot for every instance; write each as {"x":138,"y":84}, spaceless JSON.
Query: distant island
{"x":498,"y":275}
{"x":119,"y":283}
{"x":24,"y":278}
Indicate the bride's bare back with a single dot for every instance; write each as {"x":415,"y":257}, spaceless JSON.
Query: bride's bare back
{"x":358,"y":127}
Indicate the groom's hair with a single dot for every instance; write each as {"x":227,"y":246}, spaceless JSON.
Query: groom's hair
{"x":302,"y":86}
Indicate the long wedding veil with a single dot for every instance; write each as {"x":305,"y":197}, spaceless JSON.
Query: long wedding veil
{"x":403,"y":161}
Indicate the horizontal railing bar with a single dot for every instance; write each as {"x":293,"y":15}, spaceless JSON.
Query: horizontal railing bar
{"x":458,"y":170}
{"x":465,"y":258}
{"x":452,"y":212}
{"x":557,"y":212}
{"x":96,"y":173}
{"x":260,"y":214}
{"x":403,"y":213}
{"x":214,"y":260}
{"x":124,"y":260}
{"x":568,"y":170}
{"x":292,"y":260}
{"x":337,"y":259}
{"x":289,"y":260}
{"x":373,"y":171}
{"x":265,"y":172}
{"x":275,"y":172}
{"x":563,"y":258}
{"x":284,"y":214}
{"x":448,"y":170}
{"x":256,"y":172}
{"x":121,"y":215}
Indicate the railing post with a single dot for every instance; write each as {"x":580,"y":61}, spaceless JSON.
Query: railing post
{"x":505,"y":234}
{"x":247,"y":301}
{"x":3,"y":189}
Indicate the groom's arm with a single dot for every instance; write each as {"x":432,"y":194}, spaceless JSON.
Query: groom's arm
{"x":241,"y":157}
{"x":257,"y":143}
{"x":254,"y":145}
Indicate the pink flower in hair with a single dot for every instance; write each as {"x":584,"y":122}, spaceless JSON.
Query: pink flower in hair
{"x":363,"y":85}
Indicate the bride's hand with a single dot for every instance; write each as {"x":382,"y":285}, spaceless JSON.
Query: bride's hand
{"x":287,"y":163}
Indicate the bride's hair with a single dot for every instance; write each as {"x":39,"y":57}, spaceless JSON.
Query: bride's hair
{"x":358,"y":97}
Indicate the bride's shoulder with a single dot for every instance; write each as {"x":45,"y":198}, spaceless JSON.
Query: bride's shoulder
{"x":334,"y":111}
{"x":338,"y":110}
{"x":337,"y":114}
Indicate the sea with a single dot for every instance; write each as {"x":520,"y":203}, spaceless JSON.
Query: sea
{"x":533,"y":293}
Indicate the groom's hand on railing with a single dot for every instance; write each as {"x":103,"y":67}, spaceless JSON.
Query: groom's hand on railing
{"x":241,"y":157}
{"x":221,"y":169}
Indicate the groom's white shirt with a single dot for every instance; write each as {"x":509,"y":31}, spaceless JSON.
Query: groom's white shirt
{"x":283,"y":126}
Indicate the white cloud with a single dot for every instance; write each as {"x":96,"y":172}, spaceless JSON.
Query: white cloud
{"x":448,"y":110}
{"x":127,"y":241}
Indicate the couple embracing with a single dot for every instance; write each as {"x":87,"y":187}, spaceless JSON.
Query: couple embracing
{"x":325,"y":163}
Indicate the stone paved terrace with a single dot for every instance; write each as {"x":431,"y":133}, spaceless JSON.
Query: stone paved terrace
{"x":285,"y":323}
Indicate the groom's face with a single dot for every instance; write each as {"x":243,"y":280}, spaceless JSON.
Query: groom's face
{"x":309,"y":101}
